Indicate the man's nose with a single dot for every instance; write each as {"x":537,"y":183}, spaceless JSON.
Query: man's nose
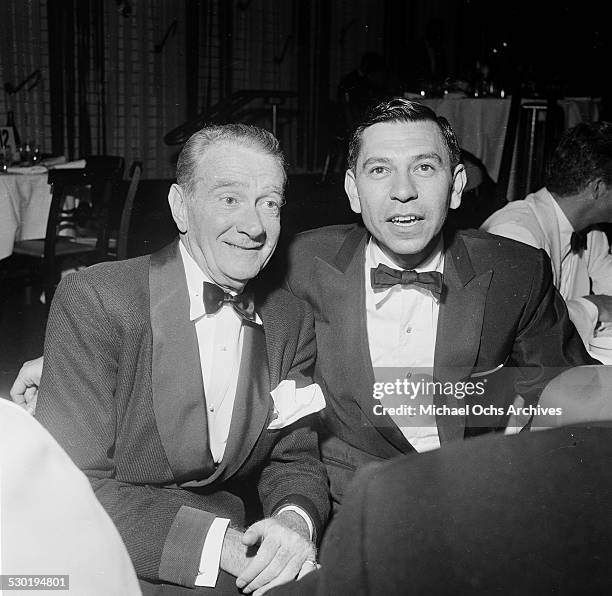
{"x":403,"y":187}
{"x":250,"y":223}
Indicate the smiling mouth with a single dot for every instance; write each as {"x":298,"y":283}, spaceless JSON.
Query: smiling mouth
{"x":405,"y":220}
{"x":254,"y":247}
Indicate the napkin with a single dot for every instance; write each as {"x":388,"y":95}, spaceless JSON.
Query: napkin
{"x":291,"y":404}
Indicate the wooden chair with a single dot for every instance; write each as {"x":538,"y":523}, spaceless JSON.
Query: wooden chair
{"x":92,"y":188}
{"x":118,"y":243}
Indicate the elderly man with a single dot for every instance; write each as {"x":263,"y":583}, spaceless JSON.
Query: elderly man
{"x":401,"y":300}
{"x":158,"y":377}
{"x":559,"y":219}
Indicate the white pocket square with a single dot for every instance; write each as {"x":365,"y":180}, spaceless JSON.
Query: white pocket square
{"x":291,"y":404}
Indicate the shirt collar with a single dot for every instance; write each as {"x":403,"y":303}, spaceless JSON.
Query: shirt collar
{"x":195,"y":280}
{"x":375,"y":255}
{"x":565,"y":227}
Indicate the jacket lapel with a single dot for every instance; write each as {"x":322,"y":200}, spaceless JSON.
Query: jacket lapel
{"x":460,"y":321}
{"x":343,"y":293}
{"x":176,"y":374}
{"x":253,"y":403}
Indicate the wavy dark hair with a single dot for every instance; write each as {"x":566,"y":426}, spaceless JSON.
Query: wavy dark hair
{"x":241,"y":134}
{"x":583,"y":154}
{"x":404,"y":110}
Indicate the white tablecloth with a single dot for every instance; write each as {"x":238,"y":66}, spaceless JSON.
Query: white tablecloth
{"x":24,"y":209}
{"x":480,"y":123}
{"x":480,"y":126}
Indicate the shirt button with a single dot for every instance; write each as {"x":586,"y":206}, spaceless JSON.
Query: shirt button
{"x":211,"y":408}
{"x":408,"y":375}
{"x":408,"y":329}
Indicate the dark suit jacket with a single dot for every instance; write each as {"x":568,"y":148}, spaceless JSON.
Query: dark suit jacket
{"x":122,"y":392}
{"x":527,"y":514}
{"x":499,"y":306}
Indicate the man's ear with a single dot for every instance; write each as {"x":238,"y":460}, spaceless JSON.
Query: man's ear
{"x":350,"y":187}
{"x":176,"y":200}
{"x":459,"y":182}
{"x":597,"y":187}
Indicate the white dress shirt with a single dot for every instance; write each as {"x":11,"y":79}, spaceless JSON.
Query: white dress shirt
{"x":577,"y":269}
{"x":402,"y":323}
{"x":540,"y":222}
{"x":220,"y":338}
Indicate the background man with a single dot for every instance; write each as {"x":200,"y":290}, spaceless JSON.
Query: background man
{"x":157,"y":381}
{"x":559,"y":219}
{"x":496,"y":305}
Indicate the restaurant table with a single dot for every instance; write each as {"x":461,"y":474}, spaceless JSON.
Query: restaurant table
{"x":24,"y":209}
{"x":480,"y":124}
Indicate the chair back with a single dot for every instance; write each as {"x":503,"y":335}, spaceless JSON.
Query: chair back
{"x":94,"y":185}
{"x":126,"y":214}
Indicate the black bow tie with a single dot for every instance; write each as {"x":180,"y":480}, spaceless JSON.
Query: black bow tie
{"x":578,"y":241}
{"x":386,"y":277}
{"x":214,"y":298}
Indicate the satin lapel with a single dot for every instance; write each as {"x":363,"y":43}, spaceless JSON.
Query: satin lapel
{"x":253,"y":403}
{"x":176,"y":374}
{"x":343,"y":294}
{"x":459,"y":327}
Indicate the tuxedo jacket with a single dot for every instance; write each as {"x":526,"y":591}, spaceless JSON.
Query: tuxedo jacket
{"x":122,"y":392}
{"x":526,"y":514}
{"x":498,"y":309}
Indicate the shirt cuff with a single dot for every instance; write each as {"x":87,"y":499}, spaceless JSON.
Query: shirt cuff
{"x":302,"y":514}
{"x":211,"y":553}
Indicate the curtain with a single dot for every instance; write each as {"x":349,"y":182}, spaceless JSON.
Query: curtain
{"x":145,"y":82}
{"x":76,"y":60}
{"x":24,"y":59}
{"x":107,"y":83}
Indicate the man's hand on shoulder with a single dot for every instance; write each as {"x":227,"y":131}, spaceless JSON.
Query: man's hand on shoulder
{"x":24,"y":391}
{"x":603,"y":302}
{"x":283,"y":553}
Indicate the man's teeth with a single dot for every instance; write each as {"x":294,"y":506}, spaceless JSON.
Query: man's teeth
{"x":404,"y":220}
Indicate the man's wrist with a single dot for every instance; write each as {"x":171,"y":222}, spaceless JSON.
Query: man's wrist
{"x":295,"y":520}
{"x":233,"y":553}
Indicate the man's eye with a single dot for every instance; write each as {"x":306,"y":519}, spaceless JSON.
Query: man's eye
{"x":425,"y":168}
{"x":229,"y":200}
{"x":378,"y":170}
{"x":271,"y":206}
